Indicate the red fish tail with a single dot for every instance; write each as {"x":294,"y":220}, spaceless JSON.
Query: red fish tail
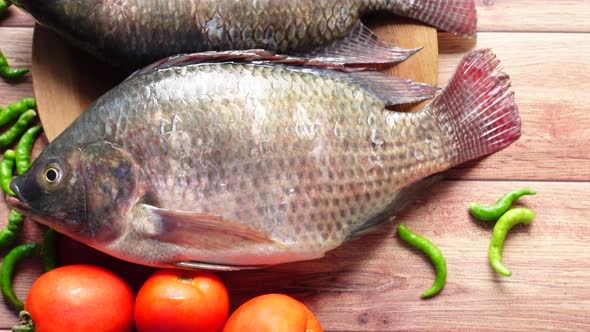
{"x":455,"y":16}
{"x":477,"y":108}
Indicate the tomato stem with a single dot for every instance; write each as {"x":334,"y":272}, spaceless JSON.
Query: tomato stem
{"x":185,"y":279}
{"x":25,"y":324}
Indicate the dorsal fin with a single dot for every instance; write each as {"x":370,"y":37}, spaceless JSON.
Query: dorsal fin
{"x":389,"y":89}
{"x":252,"y":56}
{"x":360,"y":46}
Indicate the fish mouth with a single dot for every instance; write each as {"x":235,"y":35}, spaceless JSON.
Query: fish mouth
{"x":17,"y":204}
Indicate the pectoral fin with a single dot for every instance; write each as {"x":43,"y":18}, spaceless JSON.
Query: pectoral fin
{"x":216,"y":232}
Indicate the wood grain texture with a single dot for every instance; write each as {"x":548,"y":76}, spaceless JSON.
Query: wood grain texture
{"x":16,"y":18}
{"x":422,"y":66}
{"x":16,"y":45}
{"x":550,"y":76}
{"x":66,"y":83}
{"x":534,"y":15}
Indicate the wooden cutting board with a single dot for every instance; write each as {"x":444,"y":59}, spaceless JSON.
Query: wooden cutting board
{"x":66,"y":82}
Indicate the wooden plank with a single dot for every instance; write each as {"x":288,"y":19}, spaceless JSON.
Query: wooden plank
{"x":422,"y":66}
{"x":16,"y":46}
{"x":534,"y":15}
{"x":552,"y":89}
{"x":374,"y":283}
{"x":16,"y":18}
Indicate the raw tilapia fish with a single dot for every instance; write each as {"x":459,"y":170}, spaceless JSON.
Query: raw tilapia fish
{"x":137,"y":32}
{"x":234,"y":164}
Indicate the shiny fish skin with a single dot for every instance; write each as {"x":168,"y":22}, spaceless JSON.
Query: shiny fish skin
{"x":138,"y":32}
{"x":235,"y":164}
{"x":304,"y":158}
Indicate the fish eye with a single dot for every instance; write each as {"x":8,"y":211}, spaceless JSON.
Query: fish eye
{"x":52,"y":174}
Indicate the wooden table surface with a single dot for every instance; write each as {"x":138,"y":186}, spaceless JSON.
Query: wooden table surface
{"x":376,"y":281}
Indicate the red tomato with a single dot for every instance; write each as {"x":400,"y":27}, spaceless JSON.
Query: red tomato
{"x":177,"y":300}
{"x":272,"y":313}
{"x":80,"y":298}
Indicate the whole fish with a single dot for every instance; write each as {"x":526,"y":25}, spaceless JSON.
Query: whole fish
{"x":236,"y":164}
{"x":135,"y":33}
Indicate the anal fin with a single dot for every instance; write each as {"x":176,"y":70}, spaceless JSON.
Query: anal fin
{"x":216,"y":267}
{"x":360,"y":46}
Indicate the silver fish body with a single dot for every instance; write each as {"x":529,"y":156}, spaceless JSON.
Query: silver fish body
{"x":242,"y":164}
{"x":138,"y":32}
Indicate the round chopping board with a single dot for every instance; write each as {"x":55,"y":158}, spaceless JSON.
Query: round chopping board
{"x":66,"y":80}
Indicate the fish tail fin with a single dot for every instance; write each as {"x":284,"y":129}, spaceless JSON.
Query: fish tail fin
{"x":455,"y":16}
{"x":477,"y":108}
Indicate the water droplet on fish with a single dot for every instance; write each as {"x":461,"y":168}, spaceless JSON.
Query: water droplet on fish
{"x":309,"y":130}
{"x":165,"y":127}
{"x":175,"y":122}
{"x":338,"y":132}
{"x":259,"y":113}
{"x":375,"y":137}
{"x":358,"y":95}
{"x":371,"y":120}
{"x":418,"y":154}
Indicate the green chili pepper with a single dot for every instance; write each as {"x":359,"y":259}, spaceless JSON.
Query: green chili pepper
{"x":24,"y":148}
{"x":6,"y":171}
{"x":18,"y":253}
{"x":14,"y":110}
{"x":8,"y":72}
{"x":4,"y":4}
{"x":493,"y":212}
{"x":14,"y":133}
{"x":433,"y":253}
{"x":49,"y":250}
{"x":10,"y":233}
{"x":503,"y":225}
